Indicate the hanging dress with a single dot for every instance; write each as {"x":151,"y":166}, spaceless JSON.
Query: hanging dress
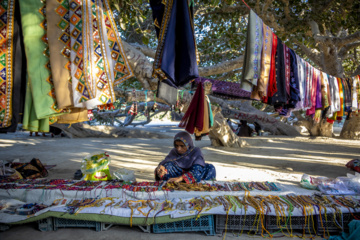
{"x":12,"y":67}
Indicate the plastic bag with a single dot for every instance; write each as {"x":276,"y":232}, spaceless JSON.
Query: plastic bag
{"x":312,"y":183}
{"x":95,"y":167}
{"x":125,"y":175}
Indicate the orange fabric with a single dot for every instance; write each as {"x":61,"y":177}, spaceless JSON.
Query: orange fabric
{"x":341,"y":93}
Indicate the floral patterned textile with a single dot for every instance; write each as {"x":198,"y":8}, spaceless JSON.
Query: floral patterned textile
{"x":6,"y":61}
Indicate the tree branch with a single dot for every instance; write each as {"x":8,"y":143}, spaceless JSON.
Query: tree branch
{"x":356,"y":72}
{"x":149,"y":52}
{"x":222,"y":67}
{"x":333,"y":41}
{"x":343,"y":51}
{"x":312,"y":54}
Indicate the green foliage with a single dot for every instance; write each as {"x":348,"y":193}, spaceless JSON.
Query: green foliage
{"x":221,"y":25}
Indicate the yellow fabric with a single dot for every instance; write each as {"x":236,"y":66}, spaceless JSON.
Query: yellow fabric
{"x":341,"y":92}
{"x":205,"y":129}
{"x":265,"y":62}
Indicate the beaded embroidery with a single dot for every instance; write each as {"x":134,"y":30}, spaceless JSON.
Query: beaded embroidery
{"x":6,"y":61}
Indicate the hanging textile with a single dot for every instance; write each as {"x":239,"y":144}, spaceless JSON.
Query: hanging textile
{"x":340,"y":113}
{"x":194,"y":116}
{"x":263,"y":82}
{"x":302,"y":82}
{"x":225,"y":89}
{"x":97,"y":56}
{"x":287,"y":69}
{"x":335,"y":96}
{"x":252,"y":58}
{"x":313,"y":91}
{"x":355,"y":92}
{"x":272,"y":88}
{"x":175,"y":61}
{"x":294,"y":85}
{"x":12,"y":67}
{"x":199,"y":133}
{"x":280,"y":97}
{"x":40,"y":97}
{"x":6,"y":62}
{"x":59,"y":49}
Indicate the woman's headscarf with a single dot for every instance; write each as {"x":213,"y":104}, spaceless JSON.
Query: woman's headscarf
{"x":191,"y":157}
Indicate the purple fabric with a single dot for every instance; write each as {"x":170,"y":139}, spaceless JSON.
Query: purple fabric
{"x":192,"y":156}
{"x":318,"y":93}
{"x":227,"y":89}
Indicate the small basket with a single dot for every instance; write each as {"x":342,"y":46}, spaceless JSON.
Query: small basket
{"x":203,"y":224}
{"x":66,"y":223}
{"x":238,"y":223}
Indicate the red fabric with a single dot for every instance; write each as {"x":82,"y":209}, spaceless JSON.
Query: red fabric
{"x":194,"y":116}
{"x":272,"y":88}
{"x":330,"y":121}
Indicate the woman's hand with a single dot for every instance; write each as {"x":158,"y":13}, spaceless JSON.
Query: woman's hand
{"x":176,"y":179}
{"x":161,"y":171}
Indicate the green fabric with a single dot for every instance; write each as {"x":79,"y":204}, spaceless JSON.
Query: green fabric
{"x":105,"y":218}
{"x":41,"y":88}
{"x":252,"y":58}
{"x":30,"y":121}
{"x":211,"y":117}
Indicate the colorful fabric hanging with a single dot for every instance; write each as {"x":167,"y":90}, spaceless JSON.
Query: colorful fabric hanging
{"x":199,"y":133}
{"x":59,"y":48}
{"x":340,"y":113}
{"x":347,"y":92}
{"x":176,"y":59}
{"x":252,"y":59}
{"x":355,"y":92}
{"x":41,"y":99}
{"x":280,"y":97}
{"x":194,"y":116}
{"x":225,"y":89}
{"x":272,"y":87}
{"x":263,"y":82}
{"x":12,"y":67}
{"x":97,"y":56}
{"x":6,"y":62}
{"x":335,"y":97}
{"x":302,"y":82}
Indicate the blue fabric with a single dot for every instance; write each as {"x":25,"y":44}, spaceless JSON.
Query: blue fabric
{"x":354,"y":232}
{"x":198,"y":172}
{"x":294,"y":81}
{"x":176,"y":53}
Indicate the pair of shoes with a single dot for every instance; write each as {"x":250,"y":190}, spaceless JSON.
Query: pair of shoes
{"x":78,"y":175}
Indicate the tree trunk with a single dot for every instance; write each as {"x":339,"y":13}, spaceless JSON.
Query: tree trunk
{"x":351,"y":128}
{"x":322,"y":128}
{"x":81,"y":130}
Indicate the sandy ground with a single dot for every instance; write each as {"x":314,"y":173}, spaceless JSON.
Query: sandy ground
{"x":271,"y":158}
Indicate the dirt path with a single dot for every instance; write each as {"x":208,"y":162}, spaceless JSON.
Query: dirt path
{"x":272,"y":158}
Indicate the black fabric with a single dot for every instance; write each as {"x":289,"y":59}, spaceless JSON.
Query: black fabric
{"x":175,"y":60}
{"x":280,"y":97}
{"x":157,"y":13}
{"x":55,"y":130}
{"x":19,"y":74}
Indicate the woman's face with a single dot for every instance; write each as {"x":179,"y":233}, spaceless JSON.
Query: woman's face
{"x":180,"y":147}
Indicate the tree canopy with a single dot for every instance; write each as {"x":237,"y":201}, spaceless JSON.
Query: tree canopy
{"x":326,"y":33}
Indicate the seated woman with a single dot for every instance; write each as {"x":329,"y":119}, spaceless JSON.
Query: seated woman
{"x":184,"y":162}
